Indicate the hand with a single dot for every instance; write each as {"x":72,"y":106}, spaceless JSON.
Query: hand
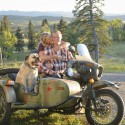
{"x":56,"y":48}
{"x":51,"y":72}
{"x":57,"y":57}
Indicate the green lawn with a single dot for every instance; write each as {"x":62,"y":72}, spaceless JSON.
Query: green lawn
{"x":23,"y":117}
{"x":114,"y":59}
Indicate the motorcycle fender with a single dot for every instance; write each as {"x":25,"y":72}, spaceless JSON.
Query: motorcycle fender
{"x":10,"y":94}
{"x":103,"y":84}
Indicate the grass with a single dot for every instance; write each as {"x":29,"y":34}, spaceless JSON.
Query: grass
{"x":114,"y":58}
{"x":113,"y":64}
{"x":27,"y":117}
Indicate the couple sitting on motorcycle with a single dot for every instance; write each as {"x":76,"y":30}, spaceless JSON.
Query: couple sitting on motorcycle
{"x":54,"y":54}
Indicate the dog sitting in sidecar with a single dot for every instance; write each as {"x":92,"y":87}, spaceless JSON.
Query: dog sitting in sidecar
{"x":52,"y":94}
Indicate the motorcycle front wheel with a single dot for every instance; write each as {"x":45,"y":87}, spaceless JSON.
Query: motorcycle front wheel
{"x":109,"y":108}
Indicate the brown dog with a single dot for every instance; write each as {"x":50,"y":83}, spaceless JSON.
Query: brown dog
{"x":28,"y":73}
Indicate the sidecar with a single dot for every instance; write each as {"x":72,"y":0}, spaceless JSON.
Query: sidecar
{"x":52,"y":93}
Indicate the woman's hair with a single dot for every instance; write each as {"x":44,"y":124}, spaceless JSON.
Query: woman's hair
{"x":45,"y":34}
{"x":43,"y":37}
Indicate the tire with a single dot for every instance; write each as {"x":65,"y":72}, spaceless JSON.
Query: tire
{"x":107,"y":114}
{"x":8,"y":71}
{"x":5,"y":109}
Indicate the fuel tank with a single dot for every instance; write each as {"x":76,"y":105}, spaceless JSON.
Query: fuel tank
{"x":55,"y":91}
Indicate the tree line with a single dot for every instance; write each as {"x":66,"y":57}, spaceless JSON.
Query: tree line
{"x":87,"y":27}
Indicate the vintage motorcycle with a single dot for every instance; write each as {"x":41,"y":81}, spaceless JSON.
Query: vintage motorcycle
{"x":80,"y":89}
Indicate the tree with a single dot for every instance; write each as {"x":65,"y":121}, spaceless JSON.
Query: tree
{"x":72,"y":34}
{"x":7,"y":41}
{"x":90,"y":23}
{"x":45,"y":26}
{"x":31,"y":36}
{"x":20,"y":42}
{"x":5,"y":24}
{"x":116,"y":29}
{"x":62,"y":26}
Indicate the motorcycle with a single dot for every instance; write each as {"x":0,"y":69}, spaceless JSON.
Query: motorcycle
{"x":80,"y":89}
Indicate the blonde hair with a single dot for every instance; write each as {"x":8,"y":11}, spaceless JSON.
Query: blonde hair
{"x":43,"y":39}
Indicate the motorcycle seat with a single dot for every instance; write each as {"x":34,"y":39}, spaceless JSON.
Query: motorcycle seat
{"x":12,"y":76}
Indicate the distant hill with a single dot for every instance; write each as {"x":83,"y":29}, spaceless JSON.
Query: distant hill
{"x":22,"y":21}
{"x":50,"y":14}
{"x":37,"y":13}
{"x":111,"y":17}
{"x":21,"y":18}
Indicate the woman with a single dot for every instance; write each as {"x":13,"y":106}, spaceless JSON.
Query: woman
{"x":48,"y":53}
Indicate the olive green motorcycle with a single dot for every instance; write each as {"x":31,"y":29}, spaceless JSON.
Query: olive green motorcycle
{"x":80,"y":91}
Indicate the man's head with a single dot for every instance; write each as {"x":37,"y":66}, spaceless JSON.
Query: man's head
{"x":56,"y":37}
{"x":32,"y":60}
{"x":46,"y":38}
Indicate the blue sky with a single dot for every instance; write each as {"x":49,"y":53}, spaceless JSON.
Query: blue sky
{"x":111,"y":6}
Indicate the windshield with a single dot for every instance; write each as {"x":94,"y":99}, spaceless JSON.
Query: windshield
{"x":83,"y":53}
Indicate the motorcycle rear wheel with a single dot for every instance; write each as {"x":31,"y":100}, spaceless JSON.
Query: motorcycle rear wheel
{"x":5,"y":109}
{"x":110,"y":108}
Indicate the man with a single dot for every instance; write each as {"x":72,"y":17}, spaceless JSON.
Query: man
{"x":60,"y":48}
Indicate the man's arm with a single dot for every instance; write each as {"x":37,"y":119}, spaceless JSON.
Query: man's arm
{"x":47,"y":57}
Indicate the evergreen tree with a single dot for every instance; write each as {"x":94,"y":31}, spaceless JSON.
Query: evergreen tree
{"x":62,"y":26}
{"x":72,"y":34}
{"x":1,"y":26}
{"x":92,"y":28}
{"x":20,"y":42}
{"x":5,"y":24}
{"x":45,"y":26}
{"x":31,"y":36}
{"x":55,"y":27}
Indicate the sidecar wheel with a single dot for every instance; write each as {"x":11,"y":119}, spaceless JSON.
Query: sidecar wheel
{"x":110,"y":108}
{"x":5,"y":109}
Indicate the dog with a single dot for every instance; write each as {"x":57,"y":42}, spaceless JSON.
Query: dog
{"x":28,"y":73}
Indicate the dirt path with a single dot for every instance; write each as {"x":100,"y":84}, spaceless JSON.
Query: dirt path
{"x":116,"y":77}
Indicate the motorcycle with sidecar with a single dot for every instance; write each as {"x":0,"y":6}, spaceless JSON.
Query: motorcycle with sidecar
{"x":80,"y":89}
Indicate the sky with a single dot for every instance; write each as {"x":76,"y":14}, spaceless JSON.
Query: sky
{"x":111,"y":6}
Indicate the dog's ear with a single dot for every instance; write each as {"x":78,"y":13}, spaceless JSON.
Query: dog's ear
{"x":26,"y":57}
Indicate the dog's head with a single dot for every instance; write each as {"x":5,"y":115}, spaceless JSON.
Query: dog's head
{"x":32,"y":60}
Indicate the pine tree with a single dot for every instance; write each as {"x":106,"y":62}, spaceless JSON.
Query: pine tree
{"x":92,"y":28}
{"x":31,"y":36}
{"x":5,"y":24}
{"x":20,"y":42}
{"x":45,"y":26}
{"x":62,"y":26}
